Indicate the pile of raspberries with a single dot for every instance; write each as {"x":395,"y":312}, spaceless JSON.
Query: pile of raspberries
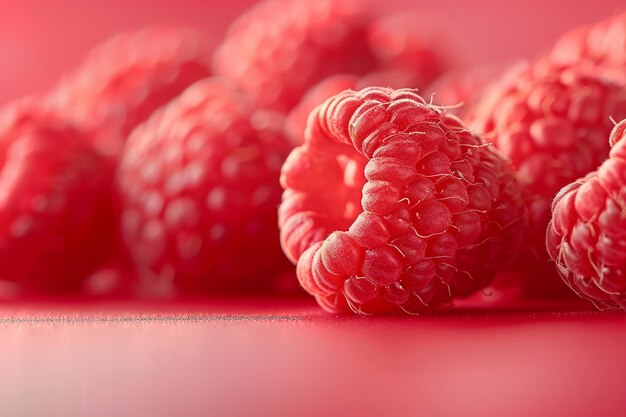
{"x":325,"y":147}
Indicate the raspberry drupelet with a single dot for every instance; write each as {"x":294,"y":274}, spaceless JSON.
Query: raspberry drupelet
{"x":391,"y":205}
{"x":587,"y":234}
{"x":295,"y":121}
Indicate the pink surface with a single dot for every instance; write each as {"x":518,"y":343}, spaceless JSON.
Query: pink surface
{"x":280,"y":357}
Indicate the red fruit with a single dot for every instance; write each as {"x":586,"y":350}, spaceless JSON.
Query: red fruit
{"x":602,"y":45}
{"x":587,"y":234}
{"x":56,"y":219}
{"x":124,"y":80}
{"x":552,"y":123}
{"x":460,"y":90}
{"x":392,"y":205}
{"x":328,"y":87}
{"x":412,"y":43}
{"x":198,"y":184}
{"x":279,"y":49}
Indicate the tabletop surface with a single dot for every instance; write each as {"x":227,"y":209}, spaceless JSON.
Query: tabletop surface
{"x":284,"y":357}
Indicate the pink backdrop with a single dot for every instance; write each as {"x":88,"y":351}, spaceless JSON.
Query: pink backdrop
{"x":40,"y":40}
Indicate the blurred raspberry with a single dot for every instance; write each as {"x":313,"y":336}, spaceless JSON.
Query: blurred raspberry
{"x":328,"y":87}
{"x":412,"y":43}
{"x":392,"y":205}
{"x":56,"y":218}
{"x":461,"y":89}
{"x":279,"y":49}
{"x":602,"y":45}
{"x":125,"y":79}
{"x":552,"y":123}
{"x":198,"y":184}
{"x":587,"y":234}
{"x":295,"y":122}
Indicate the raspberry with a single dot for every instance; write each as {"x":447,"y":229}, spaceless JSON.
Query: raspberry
{"x":587,"y":234}
{"x":552,"y":123}
{"x":198,"y":185}
{"x":391,"y":205}
{"x":328,"y":87}
{"x":602,"y":45}
{"x":279,"y":49}
{"x":56,"y":219}
{"x":460,"y":90}
{"x":412,"y":43}
{"x":125,"y":79}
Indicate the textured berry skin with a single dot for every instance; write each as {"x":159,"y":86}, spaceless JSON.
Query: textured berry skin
{"x":198,"y":185}
{"x":295,"y":122}
{"x":587,"y":234}
{"x":56,"y":217}
{"x":392,"y":205}
{"x":602,"y":45}
{"x":279,"y":49}
{"x":552,"y":123}
{"x":125,"y":79}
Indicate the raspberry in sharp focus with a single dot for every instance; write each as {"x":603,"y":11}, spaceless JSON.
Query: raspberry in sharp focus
{"x":56,"y":217}
{"x":125,"y":79}
{"x":392,"y":205}
{"x":279,"y":49}
{"x":199,"y":187}
{"x":587,"y":234}
{"x":461,"y":89}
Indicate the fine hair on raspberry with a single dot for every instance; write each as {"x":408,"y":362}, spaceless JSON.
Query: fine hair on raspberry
{"x":392,"y":205}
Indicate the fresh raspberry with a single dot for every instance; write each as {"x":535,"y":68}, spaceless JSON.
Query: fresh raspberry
{"x":413,"y":43}
{"x":390,"y":205}
{"x":198,"y":184}
{"x":552,"y":123}
{"x":328,"y":87}
{"x":602,"y":45}
{"x":279,"y":49}
{"x":587,"y":234}
{"x":125,"y":79}
{"x":56,"y":218}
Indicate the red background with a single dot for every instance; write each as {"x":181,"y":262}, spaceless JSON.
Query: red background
{"x":250,"y":357}
{"x":39,"y":40}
